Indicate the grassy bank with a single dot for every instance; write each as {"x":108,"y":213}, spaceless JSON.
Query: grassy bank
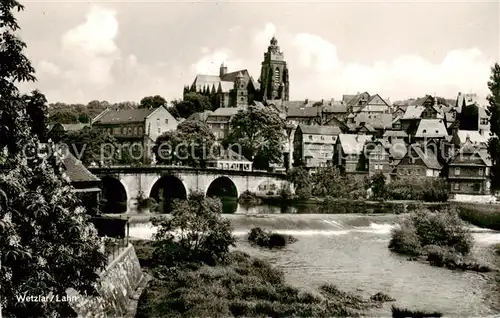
{"x":482,"y":215}
{"x":242,"y":286}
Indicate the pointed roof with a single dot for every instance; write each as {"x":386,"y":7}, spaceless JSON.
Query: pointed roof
{"x":431,"y":128}
{"x":428,"y":156}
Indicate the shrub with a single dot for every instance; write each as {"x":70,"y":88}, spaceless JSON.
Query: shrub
{"x":377,"y":183}
{"x":483,"y":215}
{"x":269,"y":239}
{"x":403,"y":313}
{"x":248,"y":198}
{"x":195,"y":232}
{"x":418,"y":188}
{"x":440,"y":236}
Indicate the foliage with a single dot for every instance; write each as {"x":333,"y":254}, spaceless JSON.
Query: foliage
{"x":192,"y":103}
{"x":64,"y":117}
{"x":442,"y":237}
{"x":192,"y":144}
{"x":242,"y":287}
{"x":403,"y":313}
{"x":152,"y":102}
{"x":74,"y":113}
{"x":262,"y":238}
{"x":261,"y":134}
{"x":482,"y":215}
{"x":330,"y":181}
{"x":301,"y":179}
{"x":44,"y":235}
{"x":418,"y":188}
{"x":91,"y":146}
{"x":377,"y":183}
{"x":248,"y":198}
{"x":195,"y":232}
{"x":494,"y":112}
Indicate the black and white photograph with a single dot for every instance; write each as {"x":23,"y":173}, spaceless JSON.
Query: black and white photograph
{"x":324,"y":158}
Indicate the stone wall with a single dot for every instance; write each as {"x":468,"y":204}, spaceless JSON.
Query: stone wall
{"x":473,"y":198}
{"x":117,"y":285}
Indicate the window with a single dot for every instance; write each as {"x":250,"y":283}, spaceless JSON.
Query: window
{"x":457,"y":171}
{"x":310,"y":137}
{"x":124,"y":130}
{"x":166,"y":121}
{"x":140,"y":130}
{"x":480,"y":171}
{"x":242,"y":98}
{"x":130,"y":130}
{"x":484,"y":121}
{"x":424,"y":131}
{"x":135,"y":130}
{"x":221,"y":126}
{"x":322,"y":138}
{"x":456,"y":186}
{"x":159,"y":130}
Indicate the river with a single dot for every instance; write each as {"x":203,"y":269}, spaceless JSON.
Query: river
{"x":350,"y":251}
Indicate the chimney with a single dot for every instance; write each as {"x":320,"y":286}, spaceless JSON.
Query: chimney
{"x":306,"y":101}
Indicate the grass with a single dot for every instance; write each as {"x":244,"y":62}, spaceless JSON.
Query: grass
{"x":482,"y":215}
{"x":241,"y":287}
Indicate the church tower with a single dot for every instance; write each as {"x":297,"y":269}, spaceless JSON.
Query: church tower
{"x":273,"y":80}
{"x":240,"y":97}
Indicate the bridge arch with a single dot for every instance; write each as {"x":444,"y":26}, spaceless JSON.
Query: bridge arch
{"x":114,"y":195}
{"x":166,"y":189}
{"x":222,"y":187}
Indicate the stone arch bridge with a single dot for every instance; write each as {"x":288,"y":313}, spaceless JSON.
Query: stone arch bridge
{"x":129,"y":184}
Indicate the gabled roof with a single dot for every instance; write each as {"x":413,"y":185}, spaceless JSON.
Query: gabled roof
{"x":428,"y":157}
{"x":76,"y":171}
{"x":377,"y":121}
{"x":395,"y":133}
{"x":347,"y":98}
{"x":420,"y":101}
{"x":431,"y":128}
{"x":320,"y":130}
{"x":474,"y":136}
{"x":357,"y":98}
{"x":376,"y":104}
{"x":300,"y":111}
{"x":413,"y":112}
{"x":379,"y":145}
{"x":126,"y":116}
{"x":353,"y":144}
{"x":470,"y":99}
{"x":200,"y":116}
{"x":335,"y":108}
{"x":225,"y":112}
{"x":231,"y":77}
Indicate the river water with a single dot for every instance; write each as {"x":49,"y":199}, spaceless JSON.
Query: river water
{"x":350,"y":251}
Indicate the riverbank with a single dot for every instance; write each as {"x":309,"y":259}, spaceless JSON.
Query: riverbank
{"x":241,"y":286}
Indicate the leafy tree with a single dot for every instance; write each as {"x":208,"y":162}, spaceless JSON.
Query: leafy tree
{"x":261,"y":134}
{"x":301,"y":179}
{"x":195,"y":232}
{"x":64,"y":117}
{"x":47,"y":243}
{"x":494,"y":112}
{"x":84,"y":118}
{"x":37,"y":112}
{"x":92,"y":146}
{"x":377,"y":183}
{"x":152,"y":102}
{"x":191,"y":144}
{"x":193,"y":102}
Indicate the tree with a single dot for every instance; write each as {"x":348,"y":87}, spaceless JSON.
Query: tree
{"x":191,"y":144}
{"x":494,"y":112}
{"x":301,"y":179}
{"x":193,"y":103}
{"x":92,"y":146}
{"x":194,"y":232}
{"x":152,"y":102}
{"x":260,"y":133}
{"x":377,"y":183}
{"x":64,"y":117}
{"x":47,"y":243}
{"x":37,"y":112}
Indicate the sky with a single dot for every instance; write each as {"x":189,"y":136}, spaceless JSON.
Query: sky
{"x":125,"y":50}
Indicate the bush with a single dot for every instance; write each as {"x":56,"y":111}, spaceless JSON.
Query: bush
{"x":248,"y":198}
{"x":442,"y":237}
{"x":195,"y":232}
{"x":403,"y":313}
{"x":418,"y":188}
{"x":269,"y":239}
{"x":483,"y":215}
{"x":377,"y":184}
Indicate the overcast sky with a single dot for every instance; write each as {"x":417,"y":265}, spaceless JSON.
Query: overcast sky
{"x":125,"y":50}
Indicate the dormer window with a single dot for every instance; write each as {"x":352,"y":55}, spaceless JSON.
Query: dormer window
{"x":424,"y":131}
{"x":457,"y":171}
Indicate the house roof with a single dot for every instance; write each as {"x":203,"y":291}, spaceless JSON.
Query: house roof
{"x":301,"y":111}
{"x":359,"y":97}
{"x":347,"y":98}
{"x":126,"y":115}
{"x":335,"y":108}
{"x":431,"y":128}
{"x":377,"y":121}
{"x":353,"y":144}
{"x":413,"y":112}
{"x":200,"y":116}
{"x":226,"y":87}
{"x":375,"y":104}
{"x":469,"y":99}
{"x":395,"y":133}
{"x":428,"y":156}
{"x":474,"y":136}
{"x":225,"y":112}
{"x":76,"y":171}
{"x":320,"y":130}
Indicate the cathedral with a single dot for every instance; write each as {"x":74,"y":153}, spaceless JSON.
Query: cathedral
{"x":239,"y":89}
